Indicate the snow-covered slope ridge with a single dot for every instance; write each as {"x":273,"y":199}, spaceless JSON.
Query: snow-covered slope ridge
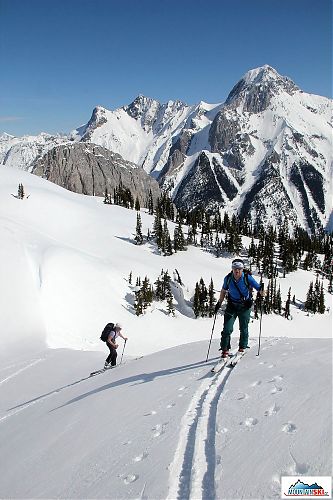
{"x":65,"y":261}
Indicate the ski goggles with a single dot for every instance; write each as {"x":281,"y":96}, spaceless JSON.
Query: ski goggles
{"x":237,"y":264}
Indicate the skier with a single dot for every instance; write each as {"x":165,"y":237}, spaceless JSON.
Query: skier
{"x":111,"y":360}
{"x":238,"y":284}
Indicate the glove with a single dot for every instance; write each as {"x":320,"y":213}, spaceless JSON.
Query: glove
{"x":217,"y":307}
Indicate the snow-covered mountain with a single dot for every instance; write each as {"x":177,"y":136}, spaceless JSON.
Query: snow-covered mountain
{"x":21,"y":152}
{"x":265,"y":152}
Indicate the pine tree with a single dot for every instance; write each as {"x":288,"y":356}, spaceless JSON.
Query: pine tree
{"x":179,"y":240}
{"x":166,"y":243}
{"x":309,"y":302}
{"x":196,"y":301}
{"x":137,"y":204}
{"x":166,"y":280}
{"x":158,"y":289}
{"x":158,"y":230}
{"x":316,"y":295}
{"x":138,"y":304}
{"x":20,"y":192}
{"x":138,"y":232}
{"x":170,"y":306}
{"x":278,"y":301}
{"x":321,"y":300}
{"x":287,"y":306}
{"x":130,"y":278}
{"x":211,"y":299}
{"x":150,"y":203}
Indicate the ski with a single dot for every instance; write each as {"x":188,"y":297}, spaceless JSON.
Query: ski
{"x":236,"y":359}
{"x":97,"y":372}
{"x":220,"y":365}
{"x":102,"y":370}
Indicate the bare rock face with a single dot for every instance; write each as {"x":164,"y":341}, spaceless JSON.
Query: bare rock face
{"x":90,"y":169}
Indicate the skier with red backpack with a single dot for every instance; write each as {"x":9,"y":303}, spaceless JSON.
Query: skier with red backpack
{"x":238,"y":286}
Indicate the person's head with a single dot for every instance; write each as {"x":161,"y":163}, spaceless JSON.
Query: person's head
{"x":237,"y":267}
{"x":118,"y":326}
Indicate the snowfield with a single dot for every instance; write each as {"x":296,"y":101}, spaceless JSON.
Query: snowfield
{"x":160,"y":425}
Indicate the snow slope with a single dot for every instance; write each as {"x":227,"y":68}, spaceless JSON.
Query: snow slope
{"x":163,"y":426}
{"x":71,"y":257}
{"x":157,"y":427}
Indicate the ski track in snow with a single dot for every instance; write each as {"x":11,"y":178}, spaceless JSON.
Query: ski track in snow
{"x":17,"y":409}
{"x":35,"y":362}
{"x":192,"y":472}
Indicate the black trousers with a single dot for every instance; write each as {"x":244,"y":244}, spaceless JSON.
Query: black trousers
{"x":112,"y":357}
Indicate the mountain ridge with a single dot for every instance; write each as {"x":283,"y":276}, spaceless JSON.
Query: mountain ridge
{"x":267,"y":146}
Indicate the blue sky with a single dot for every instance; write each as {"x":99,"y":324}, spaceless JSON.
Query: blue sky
{"x":61,"y":58}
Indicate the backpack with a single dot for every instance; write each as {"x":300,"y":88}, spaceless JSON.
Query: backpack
{"x":106,"y":332}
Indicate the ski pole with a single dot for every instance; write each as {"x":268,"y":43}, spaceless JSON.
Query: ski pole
{"x":123,"y":352}
{"x":211,"y":338}
{"x":261,"y":301}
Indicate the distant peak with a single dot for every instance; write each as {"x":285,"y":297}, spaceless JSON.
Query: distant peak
{"x":256,"y":88}
{"x":144,"y":109}
{"x":265,"y":72}
{"x":6,"y":137}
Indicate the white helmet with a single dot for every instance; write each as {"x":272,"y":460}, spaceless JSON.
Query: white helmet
{"x":119,"y":326}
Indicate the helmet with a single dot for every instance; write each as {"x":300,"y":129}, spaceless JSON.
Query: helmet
{"x":118,"y":325}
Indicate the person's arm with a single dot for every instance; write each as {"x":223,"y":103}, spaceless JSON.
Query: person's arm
{"x":222,"y":295}
{"x":257,"y":286}
{"x":221,"y":299}
{"x":111,"y":342}
{"x":122,"y":336}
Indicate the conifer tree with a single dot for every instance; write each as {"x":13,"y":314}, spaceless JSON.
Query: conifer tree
{"x":211,"y":299}
{"x":179,"y":240}
{"x":158,"y":230}
{"x":130,"y":278}
{"x":150,"y":203}
{"x":166,"y":243}
{"x":20,"y":192}
{"x":138,"y":232}
{"x":196,"y":301}
{"x":309,"y":302}
{"x":159,"y":289}
{"x":287,"y":306}
{"x":166,"y":281}
{"x":170,"y":306}
{"x":321,"y":300}
{"x":138,"y":304}
{"x":137,"y":204}
{"x":278,"y":302}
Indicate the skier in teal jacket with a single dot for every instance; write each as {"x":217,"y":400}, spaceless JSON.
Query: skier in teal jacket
{"x":238,"y":286}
